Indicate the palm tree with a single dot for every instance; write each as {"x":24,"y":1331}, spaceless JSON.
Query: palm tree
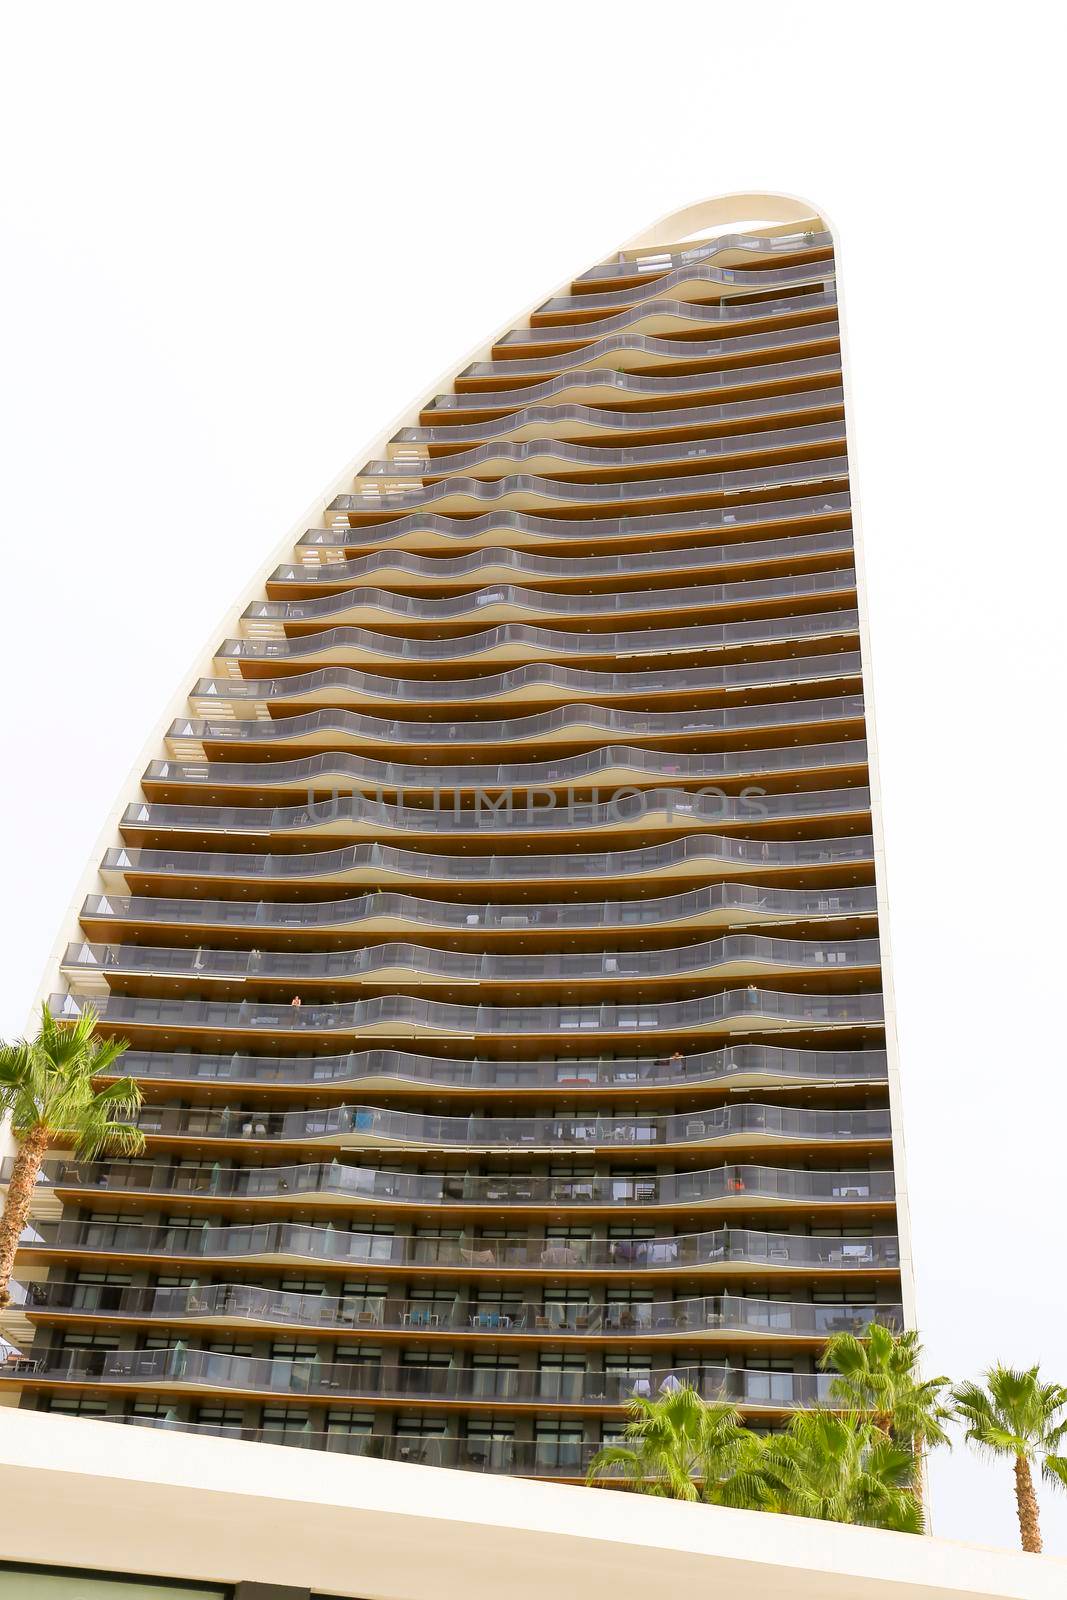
{"x":830,"y":1467}
{"x":877,"y":1376}
{"x":1015,"y":1414}
{"x":678,"y":1446}
{"x":47,"y":1086}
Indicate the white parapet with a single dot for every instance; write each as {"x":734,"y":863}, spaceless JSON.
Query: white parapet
{"x":90,"y":1495}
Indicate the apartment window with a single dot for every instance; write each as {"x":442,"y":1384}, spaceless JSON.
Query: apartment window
{"x":355,"y":1422}
{"x":629,"y":1308}
{"x":220,"y":1417}
{"x":569,"y":1183}
{"x":421,"y":1439}
{"x":440,"y":1244}
{"x":99,"y":1291}
{"x":561,"y":1378}
{"x":769,"y":1380}
{"x":629,"y":1374}
{"x":157,"y":1409}
{"x":423,"y":1372}
{"x":490,"y":1444}
{"x":841,"y":1297}
{"x":359,"y":1354}
{"x":568,"y":1072}
{"x":277,"y":1419}
{"x":75,"y":1405}
{"x":558,"y":1447}
{"x":286,"y":1350}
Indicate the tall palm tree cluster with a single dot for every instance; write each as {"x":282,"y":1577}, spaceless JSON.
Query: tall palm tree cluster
{"x":858,"y":1459}
{"x":861,"y":1457}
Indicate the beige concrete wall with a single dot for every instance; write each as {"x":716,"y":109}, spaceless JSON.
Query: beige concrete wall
{"x":90,"y":1494}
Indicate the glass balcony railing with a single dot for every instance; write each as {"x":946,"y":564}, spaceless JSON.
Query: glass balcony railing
{"x":518,"y":525}
{"x":736,"y":954}
{"x":758,"y":245}
{"x":698,"y":853}
{"x":357,"y":1126}
{"x":541,"y":676}
{"x":372,"y":1380}
{"x":723,"y":313}
{"x":465,"y":568}
{"x":558,"y":421}
{"x":499,"y":597}
{"x":469,"y":1253}
{"x":746,"y":1009}
{"x":629,"y":350}
{"x":725,"y":901}
{"x":628,"y":761}
{"x":577,"y":722}
{"x":664,"y":1319}
{"x":513,"y":638}
{"x":625,"y":384}
{"x":522,"y":487}
{"x":563,"y":1460}
{"x":815,"y":272}
{"x":672,"y":807}
{"x":774,"y":440}
{"x":742,"y":1065}
{"x":736,"y":1184}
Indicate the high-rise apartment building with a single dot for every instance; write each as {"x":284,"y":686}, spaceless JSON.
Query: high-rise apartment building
{"x":496,"y":928}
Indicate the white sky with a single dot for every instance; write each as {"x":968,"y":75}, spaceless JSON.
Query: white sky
{"x":238,"y":238}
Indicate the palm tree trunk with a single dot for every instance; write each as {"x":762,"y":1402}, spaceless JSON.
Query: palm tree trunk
{"x":918,"y":1484}
{"x":31,"y":1153}
{"x":1026,"y":1501}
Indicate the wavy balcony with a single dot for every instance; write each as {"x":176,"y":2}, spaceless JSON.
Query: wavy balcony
{"x":701,"y":855}
{"x":575,"y":422}
{"x":691,"y":280}
{"x":736,"y":956}
{"x":405,"y":1016}
{"x":276,"y":1243}
{"x":745,"y":1066}
{"x":556,"y":1461}
{"x":640,"y":352}
{"x":649,"y":810}
{"x":706,"y":1317}
{"x":605,"y":384}
{"x":563,"y":1461}
{"x":519,"y":641}
{"x":664,"y":316}
{"x":541,"y":680}
{"x":568,"y":724}
{"x":715,"y":904}
{"x":514,"y":529}
{"x":180,"y":1370}
{"x":371,"y":1127}
{"x":523,"y":492}
{"x":612,"y":764}
{"x":508,"y":602}
{"x":742,"y":1186}
{"x":731,"y":247}
{"x":500,"y":563}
